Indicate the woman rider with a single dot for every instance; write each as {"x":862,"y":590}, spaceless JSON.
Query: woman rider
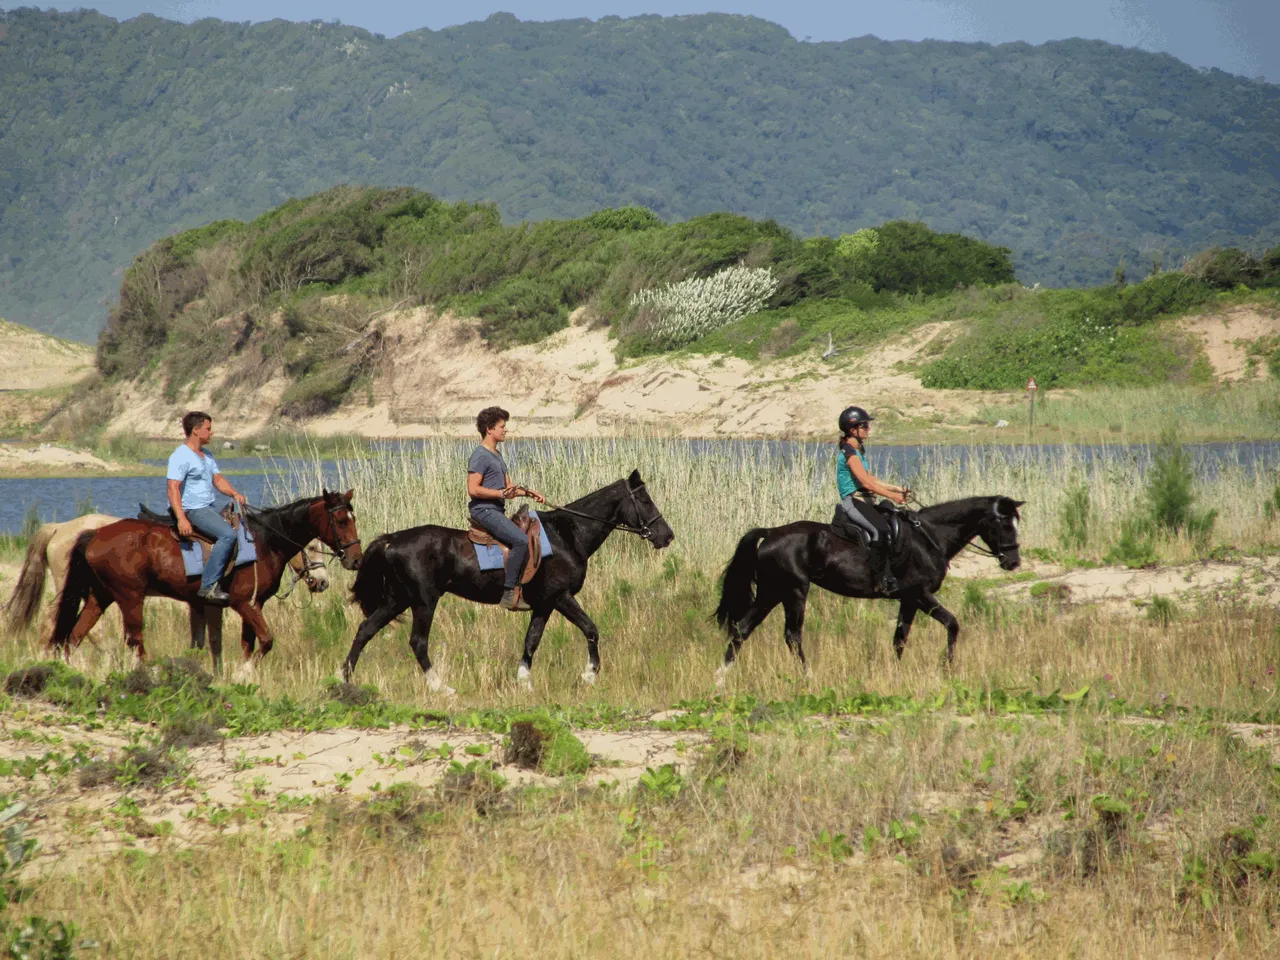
{"x":854,"y":478}
{"x":488,"y":484}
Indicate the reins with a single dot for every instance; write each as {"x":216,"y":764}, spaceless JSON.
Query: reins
{"x":643,"y":531}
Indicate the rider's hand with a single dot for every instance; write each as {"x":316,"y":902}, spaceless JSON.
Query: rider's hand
{"x":537,"y":496}
{"x":240,"y":498}
{"x":184,"y":527}
{"x":510,"y":493}
{"x":900,"y":498}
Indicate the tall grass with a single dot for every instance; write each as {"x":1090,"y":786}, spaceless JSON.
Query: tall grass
{"x":714,"y":491}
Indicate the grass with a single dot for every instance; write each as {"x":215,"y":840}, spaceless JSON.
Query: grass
{"x":1068,"y":785}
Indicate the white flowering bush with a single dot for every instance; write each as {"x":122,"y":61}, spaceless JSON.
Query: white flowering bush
{"x":682,"y":312}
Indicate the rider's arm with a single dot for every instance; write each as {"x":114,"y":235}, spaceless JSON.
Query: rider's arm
{"x":222,"y":483}
{"x":174,"y":488}
{"x":476,"y":491}
{"x":880,"y":489}
{"x":522,"y":491}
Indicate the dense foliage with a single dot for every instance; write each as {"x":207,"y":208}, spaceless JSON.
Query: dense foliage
{"x":209,"y":290}
{"x":1075,"y":155}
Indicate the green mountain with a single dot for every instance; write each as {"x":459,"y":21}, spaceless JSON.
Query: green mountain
{"x":1075,"y":155}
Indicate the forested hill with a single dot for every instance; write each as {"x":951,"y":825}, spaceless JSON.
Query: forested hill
{"x":1075,"y":155}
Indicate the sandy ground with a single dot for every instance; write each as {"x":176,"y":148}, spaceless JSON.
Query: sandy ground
{"x":1226,"y":336}
{"x":25,"y":458}
{"x":436,"y":372}
{"x":30,"y":360}
{"x":276,"y":773}
{"x":1244,"y":580}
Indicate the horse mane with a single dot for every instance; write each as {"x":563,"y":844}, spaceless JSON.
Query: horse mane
{"x":950,"y":511}
{"x":273,"y":520}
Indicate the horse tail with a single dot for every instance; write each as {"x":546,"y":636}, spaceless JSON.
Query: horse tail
{"x":373,"y":578}
{"x":737,"y":590}
{"x":80,"y":581}
{"x":22,"y":605}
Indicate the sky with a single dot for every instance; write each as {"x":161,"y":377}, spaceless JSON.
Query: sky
{"x":1238,"y":36}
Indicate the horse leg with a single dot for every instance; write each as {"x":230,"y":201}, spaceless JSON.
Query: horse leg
{"x":252,"y":623}
{"x":419,"y":635}
{"x":947,"y":619}
{"x":793,"y":607}
{"x":94,"y":608}
{"x":196,"y":620}
{"x":371,"y":625}
{"x":213,"y":619}
{"x":532,"y":637}
{"x":738,"y":632}
{"x":131,"y":611}
{"x":906,"y":616}
{"x":572,"y":611}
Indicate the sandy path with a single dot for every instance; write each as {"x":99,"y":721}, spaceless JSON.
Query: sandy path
{"x":269,"y":779}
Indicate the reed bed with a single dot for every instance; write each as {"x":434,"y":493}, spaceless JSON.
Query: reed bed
{"x":653,"y":608}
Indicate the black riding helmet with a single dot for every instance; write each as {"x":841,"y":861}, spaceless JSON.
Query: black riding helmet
{"x":850,"y":417}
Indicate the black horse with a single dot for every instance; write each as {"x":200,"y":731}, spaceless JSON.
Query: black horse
{"x":413,"y":569}
{"x":777,"y":565}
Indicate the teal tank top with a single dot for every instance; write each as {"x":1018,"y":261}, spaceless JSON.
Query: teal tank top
{"x":845,"y":481}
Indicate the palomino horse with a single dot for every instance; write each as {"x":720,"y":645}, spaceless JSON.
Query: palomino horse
{"x":129,"y":559}
{"x":49,"y":552}
{"x":777,"y":565}
{"x":413,"y":569}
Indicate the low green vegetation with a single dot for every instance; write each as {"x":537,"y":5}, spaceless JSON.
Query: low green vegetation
{"x":302,"y":287}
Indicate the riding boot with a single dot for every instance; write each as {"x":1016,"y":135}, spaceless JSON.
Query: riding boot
{"x":513,"y":601}
{"x":882,"y":569}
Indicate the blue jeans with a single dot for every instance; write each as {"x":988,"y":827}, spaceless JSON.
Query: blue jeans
{"x":508,"y":534}
{"x":208,"y":521}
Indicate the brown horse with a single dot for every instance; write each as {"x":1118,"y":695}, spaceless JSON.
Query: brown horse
{"x":130,"y":559}
{"x":49,"y":554}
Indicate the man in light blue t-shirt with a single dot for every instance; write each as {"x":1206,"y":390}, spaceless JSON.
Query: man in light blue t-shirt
{"x":192,"y":477}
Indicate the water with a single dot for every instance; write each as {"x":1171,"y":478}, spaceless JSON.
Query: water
{"x":263,"y":481}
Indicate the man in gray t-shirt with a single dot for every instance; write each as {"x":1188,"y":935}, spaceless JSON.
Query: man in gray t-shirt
{"x":488,"y":485}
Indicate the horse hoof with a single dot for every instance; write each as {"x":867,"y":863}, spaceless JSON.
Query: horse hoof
{"x":722,"y":675}
{"x":589,"y":676}
{"x":523,"y":678}
{"x":246,"y":672}
{"x":436,"y":685}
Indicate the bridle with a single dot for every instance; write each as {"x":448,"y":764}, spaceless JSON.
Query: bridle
{"x":1001,"y":548}
{"x":307,"y":565}
{"x":644,"y":531}
{"x":333,"y":529}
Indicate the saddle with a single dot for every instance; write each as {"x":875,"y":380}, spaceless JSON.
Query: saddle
{"x":531,"y":528}
{"x":167,"y":519}
{"x":846,"y":529}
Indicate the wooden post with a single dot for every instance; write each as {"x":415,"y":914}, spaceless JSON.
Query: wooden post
{"x":1031,"y":392}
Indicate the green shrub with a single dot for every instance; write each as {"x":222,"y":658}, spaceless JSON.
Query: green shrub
{"x":910,"y":258}
{"x":559,"y":752}
{"x":1170,"y":492}
{"x":1073,"y":517}
{"x":1134,"y":548}
{"x":624,"y":218}
{"x":1162,"y":610}
{"x":1224,"y":267}
{"x":1270,"y":506}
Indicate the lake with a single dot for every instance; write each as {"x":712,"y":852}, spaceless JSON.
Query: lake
{"x":261,"y":480}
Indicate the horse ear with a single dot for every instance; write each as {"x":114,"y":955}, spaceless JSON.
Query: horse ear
{"x":634,"y":480}
{"x":349,"y":494}
{"x":1018,"y":503}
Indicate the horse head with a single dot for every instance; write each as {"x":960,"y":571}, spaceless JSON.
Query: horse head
{"x":999,"y":531}
{"x":309,"y":567}
{"x":640,"y":512}
{"x":333,"y":520}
